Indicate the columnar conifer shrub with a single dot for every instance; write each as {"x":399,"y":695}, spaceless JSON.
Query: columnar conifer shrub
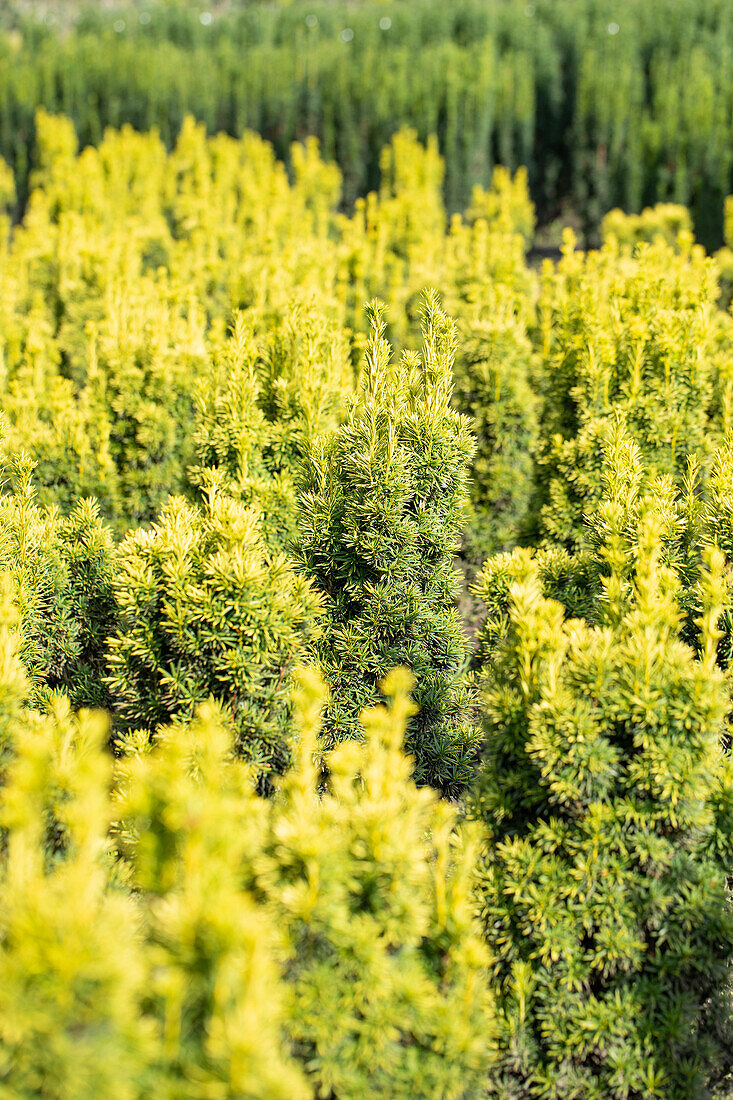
{"x":400,"y":240}
{"x":498,"y":380}
{"x":66,"y":434}
{"x":380,"y":918}
{"x":393,"y":244}
{"x":260,"y":405}
{"x":669,"y":221}
{"x":192,"y":832}
{"x":410,"y":190}
{"x":601,"y":119}
{"x":116,"y":290}
{"x":61,"y":570}
{"x":236,"y":444}
{"x":384,"y":976}
{"x":381,"y":509}
{"x":606,"y":799}
{"x":70,"y":973}
{"x":506,"y":202}
{"x":71,"y":970}
{"x":575,"y":578}
{"x":693,"y":519}
{"x":486,"y":257}
{"x":724,"y":256}
{"x":206,"y":611}
{"x":56,"y":147}
{"x":14,"y":684}
{"x":143,"y":361}
{"x":165,"y":991}
{"x":495,"y":383}
{"x":305,"y":376}
{"x":182,"y":936}
{"x":7,"y":186}
{"x":630,"y":337}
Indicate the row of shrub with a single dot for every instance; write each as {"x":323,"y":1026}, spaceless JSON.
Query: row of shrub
{"x":167,"y":929}
{"x":255,"y":892}
{"x":606,"y":105}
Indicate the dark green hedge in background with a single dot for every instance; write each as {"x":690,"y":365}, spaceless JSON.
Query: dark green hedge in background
{"x":607,"y":102}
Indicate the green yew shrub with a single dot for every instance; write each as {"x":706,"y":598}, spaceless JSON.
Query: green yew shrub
{"x":724,"y":256}
{"x":14,"y":684}
{"x":496,"y":384}
{"x":206,"y":611}
{"x":381,"y":508}
{"x":693,"y":518}
{"x":609,"y":534}
{"x":410,"y":190}
{"x":61,"y":570}
{"x":7,"y":187}
{"x":380,"y":918}
{"x":606,"y":799}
